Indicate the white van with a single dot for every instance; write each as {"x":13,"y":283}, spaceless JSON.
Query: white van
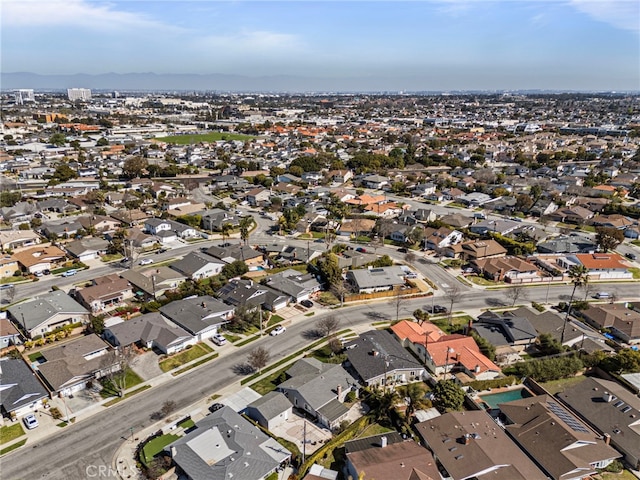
{"x":600,"y":295}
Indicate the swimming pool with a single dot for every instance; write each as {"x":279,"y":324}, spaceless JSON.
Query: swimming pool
{"x":493,"y":399}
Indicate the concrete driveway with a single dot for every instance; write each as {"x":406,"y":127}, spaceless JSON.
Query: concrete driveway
{"x":146,"y":365}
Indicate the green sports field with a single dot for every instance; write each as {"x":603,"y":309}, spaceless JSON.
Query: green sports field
{"x":203,"y":137}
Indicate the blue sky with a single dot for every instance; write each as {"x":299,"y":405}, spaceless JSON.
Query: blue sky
{"x":427,"y":45}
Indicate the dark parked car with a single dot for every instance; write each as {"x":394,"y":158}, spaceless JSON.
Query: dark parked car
{"x":215,"y":406}
{"x":437,"y":309}
{"x":306,"y":303}
{"x":403,"y":250}
{"x":630,"y":256}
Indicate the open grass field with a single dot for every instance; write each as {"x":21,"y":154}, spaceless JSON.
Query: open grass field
{"x":203,"y":137}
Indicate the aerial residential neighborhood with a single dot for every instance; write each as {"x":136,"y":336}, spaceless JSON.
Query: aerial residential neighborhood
{"x":320,"y":286}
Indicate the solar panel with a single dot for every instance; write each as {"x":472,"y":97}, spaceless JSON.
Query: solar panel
{"x":566,"y":417}
{"x":626,"y":409}
{"x":619,"y":403}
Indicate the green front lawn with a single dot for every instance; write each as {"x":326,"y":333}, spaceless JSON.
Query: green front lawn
{"x":110,"y":257}
{"x":203,"y":137}
{"x":10,"y":433}
{"x":155,"y":446}
{"x":188,"y":423}
{"x":131,"y":380}
{"x":635,"y":271}
{"x":482,"y":281}
{"x":457,"y":323}
{"x":13,"y":447}
{"x":33,"y":357}
{"x":186,"y":356}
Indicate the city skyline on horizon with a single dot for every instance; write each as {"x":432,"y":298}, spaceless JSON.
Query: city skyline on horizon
{"x":434,"y":45}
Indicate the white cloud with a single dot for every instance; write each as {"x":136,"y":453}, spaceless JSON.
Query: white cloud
{"x":74,"y":13}
{"x":624,"y":14}
{"x":253,"y":41}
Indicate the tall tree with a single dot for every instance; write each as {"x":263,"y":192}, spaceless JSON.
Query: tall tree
{"x":258,"y":358}
{"x":515,"y":293}
{"x":608,"y":238}
{"x":226,"y":230}
{"x":448,"y":396}
{"x":245,"y":224}
{"x":328,"y":325}
{"x":414,"y":397}
{"x":453,"y":295}
{"x":134,"y":166}
{"x":579,"y":275}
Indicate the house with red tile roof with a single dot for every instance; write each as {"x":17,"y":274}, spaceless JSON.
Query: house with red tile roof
{"x":601,"y":266}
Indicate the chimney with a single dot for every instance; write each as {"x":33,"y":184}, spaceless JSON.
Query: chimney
{"x":457,"y":357}
{"x":339,"y":390}
{"x":374,"y":353}
{"x":477,"y":369}
{"x":607,"y":438}
{"x":173,"y":451}
{"x":466,"y":439}
{"x":203,"y":304}
{"x":383,"y":442}
{"x":607,"y":397}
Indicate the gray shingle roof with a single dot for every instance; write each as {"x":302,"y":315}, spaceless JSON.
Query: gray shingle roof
{"x":43,"y":307}
{"x":271,"y":405}
{"x":197,"y":313}
{"x":20,"y":386}
{"x":226,"y":446}
{"x":193,"y":262}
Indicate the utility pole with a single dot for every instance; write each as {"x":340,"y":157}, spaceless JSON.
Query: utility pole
{"x":260,"y":321}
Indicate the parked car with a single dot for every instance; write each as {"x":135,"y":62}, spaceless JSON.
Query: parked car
{"x":277,"y":331}
{"x":219,"y":339}
{"x":630,"y":256}
{"x":360,"y":249}
{"x":6,"y":286}
{"x":146,"y":261}
{"x":30,"y":421}
{"x":69,"y":273}
{"x":46,"y":271}
{"x":403,"y":250}
{"x":215,"y":407}
{"x":306,"y":303}
{"x":411,"y":275}
{"x":39,"y":274}
{"x":162,"y":250}
{"x":437,"y":309}
{"x":601,"y":295}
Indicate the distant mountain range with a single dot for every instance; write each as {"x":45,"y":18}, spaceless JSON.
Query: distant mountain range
{"x":192,"y":82}
{"x":230,"y":83}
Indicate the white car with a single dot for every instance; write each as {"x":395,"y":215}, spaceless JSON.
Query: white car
{"x":219,"y":339}
{"x":30,"y":421}
{"x":146,"y":261}
{"x":277,"y":331}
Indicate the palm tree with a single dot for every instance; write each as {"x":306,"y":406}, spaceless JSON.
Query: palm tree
{"x":382,"y":402}
{"x":413,"y":394}
{"x":226,"y":229}
{"x":579,"y":275}
{"x":245,"y":224}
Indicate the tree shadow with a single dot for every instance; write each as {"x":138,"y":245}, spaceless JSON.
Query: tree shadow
{"x":377,"y":315}
{"x":242,"y":369}
{"x":155,"y":416}
{"x":312,"y":334}
{"x":495,"y":302}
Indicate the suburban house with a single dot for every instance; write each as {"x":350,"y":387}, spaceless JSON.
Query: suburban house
{"x":319,"y":389}
{"x":215,"y":218}
{"x":87,"y":248}
{"x":375,"y":182}
{"x":154,"y":282}
{"x":601,"y":266}
{"x":611,"y":410}
{"x":8,"y":266}
{"x":258,"y":196}
{"x":389,"y":456}
{"x":151,"y":330}
{"x":478,"y":249}
{"x":619,"y":222}
{"x":12,"y":239}
{"x":503,"y":227}
{"x":560,"y":443}
{"x":223,"y":445}
{"x":376,"y":279}
{"x":457,"y":220}
{"x":141,"y":240}
{"x":508,"y":269}
{"x":356,"y":227}
{"x":70,"y":367}
{"x":271,"y":410}
{"x":340,"y":176}
{"x":620,"y":321}
{"x":198,"y":265}
{"x":294,"y":284}
{"x":505,"y":329}
{"x":460,"y":355}
{"x":573,"y":214}
{"x":98,"y":222}
{"x":9,"y":335}
{"x":105,"y":293}
{"x":40,"y":258}
{"x":200,"y":316}
{"x":379,"y":359}
{"x":470,"y":444}
{"x":230,"y":253}
{"x":549,"y":322}
{"x":161,"y":227}
{"x":47,"y":312}
{"x":251,"y":295}
{"x":441,"y":237}
{"x":21,"y":392}
{"x":573,"y":243}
